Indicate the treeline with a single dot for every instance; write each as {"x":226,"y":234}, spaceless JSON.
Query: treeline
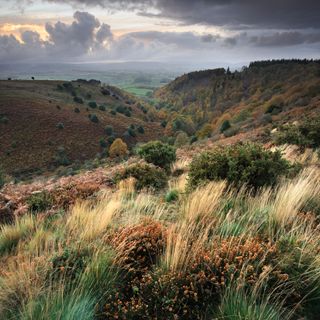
{"x":266,"y":63}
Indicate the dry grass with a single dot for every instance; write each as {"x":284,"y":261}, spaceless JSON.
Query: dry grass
{"x":88,"y":222}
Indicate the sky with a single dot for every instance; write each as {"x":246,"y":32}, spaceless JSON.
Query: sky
{"x":170,"y":31}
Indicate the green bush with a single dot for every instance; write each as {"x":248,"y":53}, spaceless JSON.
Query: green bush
{"x":231,"y":131}
{"x":60,"y":125}
{"x":141,"y":129}
{"x":103,"y":143}
{"x":158,"y":153}
{"x":61,"y":158}
{"x":102,"y":108}
{"x":39,"y":202}
{"x":78,"y":100}
{"x":147,"y":176}
{"x":108,"y":130}
{"x":225,"y":126}
{"x":70,"y":263}
{"x":4,"y":119}
{"x":132,"y":132}
{"x":248,"y":164}
{"x":93,"y":118}
{"x":172,"y":196}
{"x":111,"y":139}
{"x":92,"y":104}
{"x":306,"y":134}
{"x":76,"y":110}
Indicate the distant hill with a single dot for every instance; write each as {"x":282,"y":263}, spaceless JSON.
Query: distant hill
{"x":264,"y":92}
{"x":42,"y":121}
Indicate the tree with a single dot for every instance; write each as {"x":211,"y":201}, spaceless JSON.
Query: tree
{"x":225,"y":126}
{"x":158,"y":153}
{"x":118,"y":149}
{"x":181,"y":140}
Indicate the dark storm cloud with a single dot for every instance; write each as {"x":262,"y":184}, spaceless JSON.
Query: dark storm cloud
{"x":282,"y":14}
{"x":282,"y":39}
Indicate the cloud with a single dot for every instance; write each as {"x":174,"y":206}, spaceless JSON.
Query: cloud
{"x":86,"y":39}
{"x":282,"y":14}
{"x":283,"y":39}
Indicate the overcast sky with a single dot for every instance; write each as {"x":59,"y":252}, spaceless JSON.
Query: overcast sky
{"x":177,"y":31}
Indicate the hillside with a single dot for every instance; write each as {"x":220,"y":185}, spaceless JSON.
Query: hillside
{"x":43,"y":123}
{"x":264,"y":92}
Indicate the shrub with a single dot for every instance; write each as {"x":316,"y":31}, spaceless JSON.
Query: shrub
{"x":140,"y":248}
{"x":78,"y":100}
{"x":103,"y":143}
{"x":92,"y":104}
{"x":146,"y":176}
{"x":306,"y":134}
{"x":141,"y":129}
{"x":93,"y":118}
{"x":76,"y":110}
{"x":127,"y":113}
{"x":111,"y":139}
{"x":163,"y":123}
{"x":274,"y":109}
{"x":118,"y":149}
{"x":60,"y":125}
{"x":225,"y":126}
{"x":231,"y":131}
{"x":172,"y":196}
{"x":132,"y":132}
{"x":39,"y":202}
{"x":61,"y":157}
{"x":108,"y":130}
{"x":240,"y":164}
{"x":4,"y":119}
{"x":158,"y":153}
{"x":70,"y":263}
{"x":181,"y":140}
{"x":102,"y":108}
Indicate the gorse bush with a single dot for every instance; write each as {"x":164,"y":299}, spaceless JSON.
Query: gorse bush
{"x":225,"y":126}
{"x":146,"y":176}
{"x":108,"y":130}
{"x":158,"y":153}
{"x":39,"y":202}
{"x":305,"y":134}
{"x":243,"y":164}
{"x":118,"y":148}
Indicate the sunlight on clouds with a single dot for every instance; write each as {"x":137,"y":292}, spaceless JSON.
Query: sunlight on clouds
{"x":17,"y":29}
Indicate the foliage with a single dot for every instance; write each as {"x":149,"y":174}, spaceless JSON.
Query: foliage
{"x":92,"y":104}
{"x":305,"y":134}
{"x":69,"y":263}
{"x":225,"y":126}
{"x":181,"y":140}
{"x":93,"y":118}
{"x":76,"y":110}
{"x":108,"y":130}
{"x":102,"y":108}
{"x":39,"y":202}
{"x":172,"y":196}
{"x":60,"y":125}
{"x":243,"y":164}
{"x":158,"y":153}
{"x":118,"y":149}
{"x":141,"y":129}
{"x":146,"y":176}
{"x":78,"y":100}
